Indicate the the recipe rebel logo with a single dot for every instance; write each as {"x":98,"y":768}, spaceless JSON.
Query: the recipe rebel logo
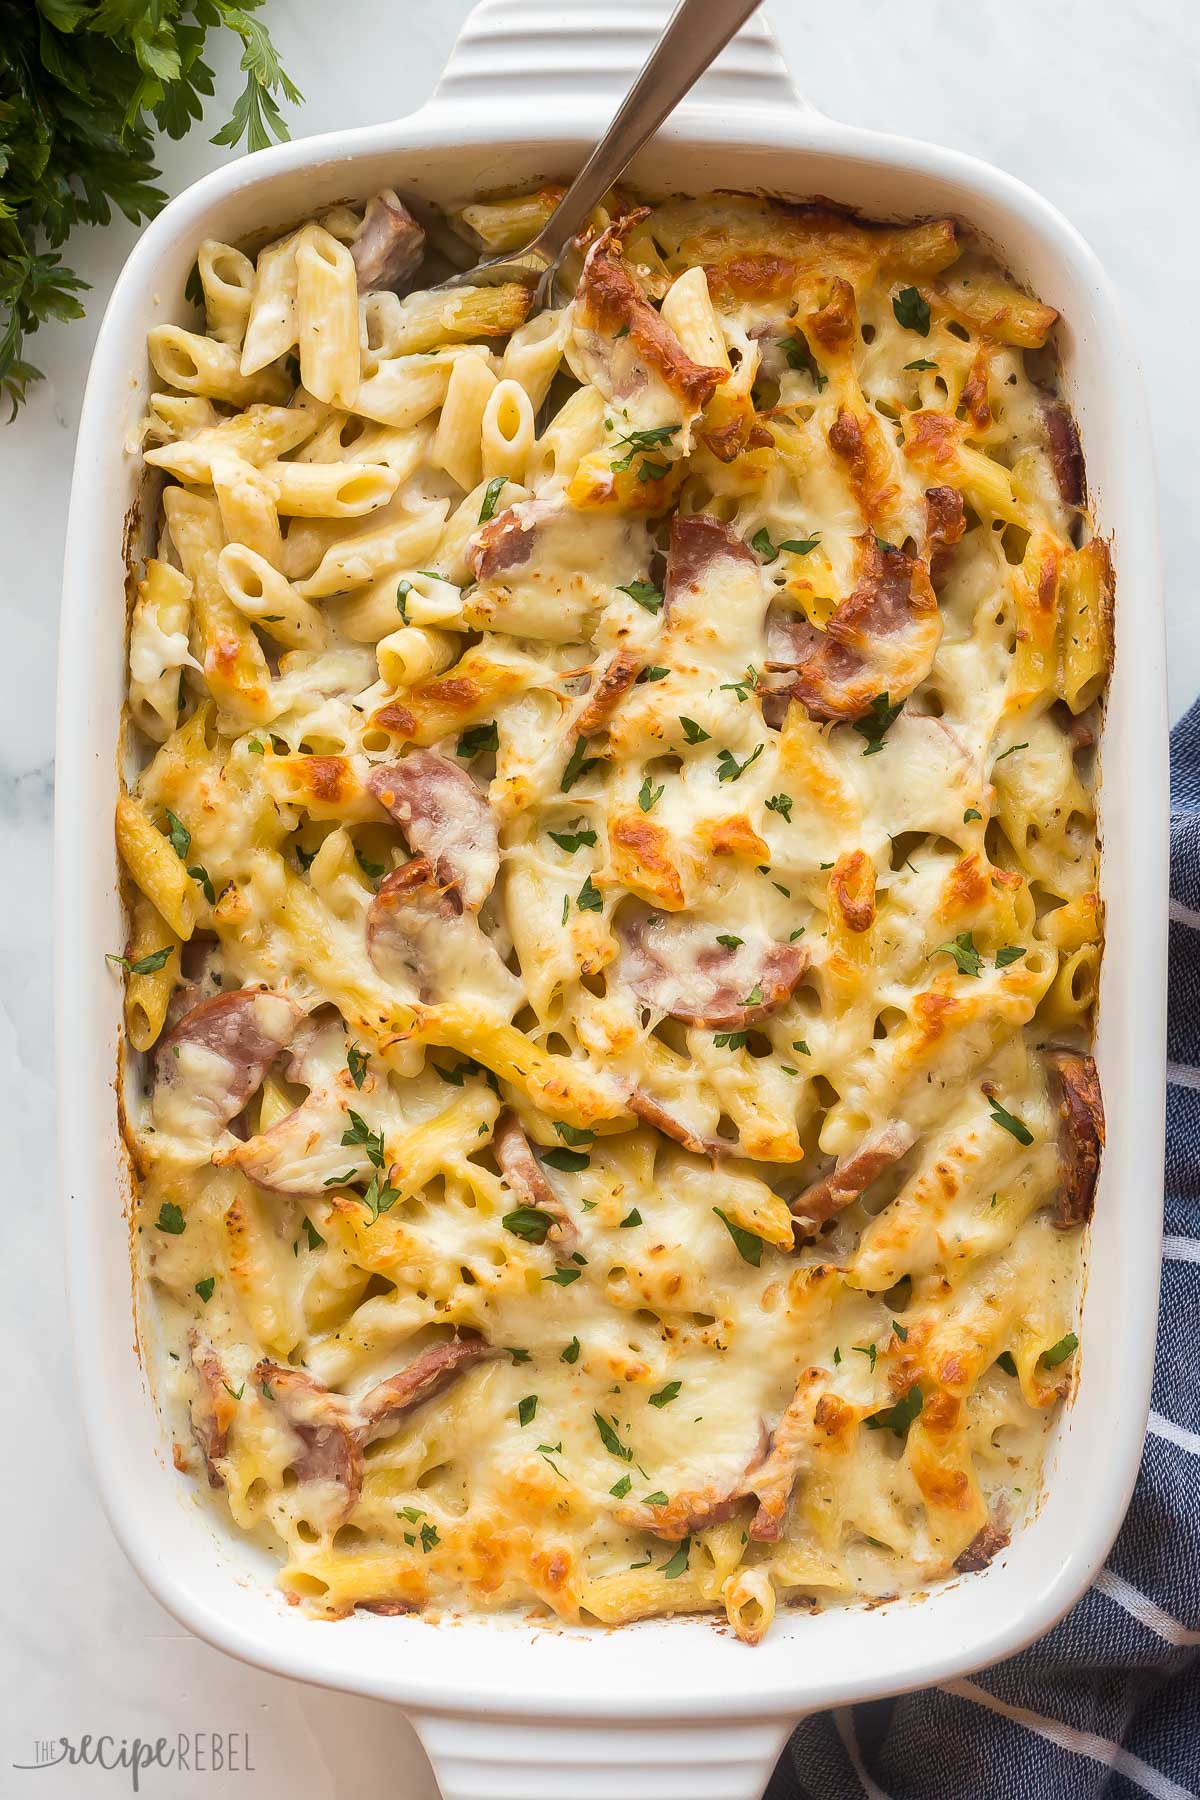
{"x":188,"y":1752}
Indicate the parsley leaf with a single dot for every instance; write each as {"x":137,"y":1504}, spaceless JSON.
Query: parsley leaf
{"x":578,"y":765}
{"x":637,"y":442}
{"x":360,"y":1133}
{"x":529,"y":1223}
{"x":966,"y":956}
{"x":180,"y":836}
{"x":170,"y":1219}
{"x":571,"y":1353}
{"x":356,"y":1062}
{"x":729,"y":942}
{"x":645,"y":593}
{"x":730,"y":769}
{"x":570,"y":841}
{"x":572,"y":1134}
{"x":649,"y":795}
{"x":562,"y":1277}
{"x":922,"y":362}
{"x":620,"y":1488}
{"x":730,"y":1040}
{"x":402,"y":593}
{"x":761,"y":541}
{"x":678,"y":1562}
{"x":589,"y":897}
{"x":1000,"y":1116}
{"x":870,"y":1351}
{"x":200,"y":874}
{"x":527,"y":1408}
{"x":378,"y":1197}
{"x":972,"y":812}
{"x":610,"y":1440}
{"x":315,"y":1240}
{"x":142,"y":965}
{"x":878,"y":723}
{"x":800,"y":357}
{"x":693,"y":733}
{"x":633,"y":1217}
{"x":1011,"y":751}
{"x":665,"y":1395}
{"x":781,"y":804}
{"x":653,"y":673}
{"x":898,"y":1418}
{"x":1007,"y":1362}
{"x":801,"y":546}
{"x":1059,"y":1352}
{"x":478,"y":739}
{"x":1010,"y":953}
{"x":491,"y":494}
{"x":205,"y":1288}
{"x":569,"y":1161}
{"x":749,"y":1247}
{"x":911,"y":310}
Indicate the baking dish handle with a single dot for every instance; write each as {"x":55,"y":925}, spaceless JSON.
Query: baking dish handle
{"x":550,"y":53}
{"x":530,"y":1759}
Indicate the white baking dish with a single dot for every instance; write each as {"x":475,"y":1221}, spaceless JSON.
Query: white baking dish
{"x":673,"y":1708}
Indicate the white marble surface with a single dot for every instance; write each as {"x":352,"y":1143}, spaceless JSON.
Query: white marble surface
{"x":1091,"y":101}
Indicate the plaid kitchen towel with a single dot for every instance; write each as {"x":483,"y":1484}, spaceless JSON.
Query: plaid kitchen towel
{"x":1108,"y":1704}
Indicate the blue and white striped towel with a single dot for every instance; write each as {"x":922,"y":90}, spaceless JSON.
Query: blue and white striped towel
{"x":1108,"y":1704}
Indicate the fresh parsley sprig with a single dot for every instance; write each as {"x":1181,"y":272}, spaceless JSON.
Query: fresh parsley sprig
{"x":84,"y":90}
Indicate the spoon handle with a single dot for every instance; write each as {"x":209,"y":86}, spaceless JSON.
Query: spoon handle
{"x":696,"y":32}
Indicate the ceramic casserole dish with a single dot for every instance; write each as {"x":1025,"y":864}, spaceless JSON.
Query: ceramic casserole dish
{"x":507,"y":1708}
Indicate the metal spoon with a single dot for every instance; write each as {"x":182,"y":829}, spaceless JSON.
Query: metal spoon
{"x":696,"y":32}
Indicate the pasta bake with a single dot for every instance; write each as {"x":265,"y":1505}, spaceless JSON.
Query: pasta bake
{"x":611,"y":848}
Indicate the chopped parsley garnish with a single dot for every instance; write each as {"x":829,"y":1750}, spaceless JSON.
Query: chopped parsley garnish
{"x":801,"y":546}
{"x":429,"y":1537}
{"x":571,"y":1353}
{"x":800,"y":357}
{"x":637,"y":443}
{"x":922,"y":362}
{"x":360,"y":1133}
{"x":749,"y":1247}
{"x":743,"y":688}
{"x":562,"y":1277}
{"x":800,"y":1045}
{"x":654,"y":672}
{"x":518,"y":1355}
{"x":478,"y":739}
{"x":205,"y":1288}
{"x":572,"y":1134}
{"x":665,"y":1395}
{"x":570,"y":841}
{"x":731,"y":1040}
{"x":170,"y":1219}
{"x":526,"y":1408}
{"x":579,"y":763}
{"x":1007,"y":1362}
{"x":569,"y":1161}
{"x":402,"y":593}
{"x":372,"y":870}
{"x":180,"y":836}
{"x":453,"y":1077}
{"x":254,"y":747}
{"x":781,"y":804}
{"x":898,"y":1418}
{"x":1011,"y":751}
{"x":411,"y":1513}
{"x":678,"y":1562}
{"x":379,"y":1198}
{"x":798,"y":933}
{"x":649,"y":795}
{"x":869,"y":1351}
{"x":878,"y":723}
{"x":1009,"y":954}
{"x":142,"y":965}
{"x":491,"y":494}
{"x":911,"y":310}
{"x":633,"y":1217}
{"x":730,"y":769}
{"x":657,"y":1498}
{"x":645,"y":593}
{"x":693,"y":733}
{"x":972,"y":812}
{"x":761,"y":541}
{"x":1000,"y":1116}
{"x":754,"y":997}
{"x":237,"y":1394}
{"x":529,"y":1223}
{"x":730,"y":942}
{"x":1059,"y":1352}
{"x":315,"y":1240}
{"x":610,"y":1440}
{"x":589,"y":897}
{"x":966,"y":957}
{"x":356,"y":1062}
{"x":620,"y":1488}
{"x":837,"y":1355}
{"x":200,"y":874}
